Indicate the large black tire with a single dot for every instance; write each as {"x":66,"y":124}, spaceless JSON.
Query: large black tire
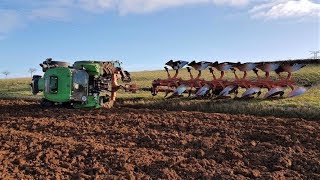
{"x":59,"y":63}
{"x":34,"y":84}
{"x":50,"y":64}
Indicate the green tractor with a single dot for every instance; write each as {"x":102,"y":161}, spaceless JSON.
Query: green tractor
{"x":85,"y":84}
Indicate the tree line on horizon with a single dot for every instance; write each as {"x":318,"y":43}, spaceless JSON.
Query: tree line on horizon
{"x":30,"y":70}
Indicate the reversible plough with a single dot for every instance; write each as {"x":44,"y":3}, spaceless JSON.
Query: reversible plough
{"x":220,"y":87}
{"x":94,"y":84}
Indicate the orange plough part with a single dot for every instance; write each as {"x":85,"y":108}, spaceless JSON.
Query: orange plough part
{"x":217,"y":88}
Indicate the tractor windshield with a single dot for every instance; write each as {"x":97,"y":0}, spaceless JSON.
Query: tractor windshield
{"x":51,"y":84}
{"x":80,"y":78}
{"x":80,"y":84}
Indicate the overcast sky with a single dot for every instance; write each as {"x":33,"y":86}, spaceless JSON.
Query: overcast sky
{"x":145,"y":33}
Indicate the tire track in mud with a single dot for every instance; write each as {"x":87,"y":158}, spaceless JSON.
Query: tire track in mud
{"x":140,"y":143}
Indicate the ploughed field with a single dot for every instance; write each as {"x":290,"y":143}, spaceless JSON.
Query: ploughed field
{"x":142,"y":143}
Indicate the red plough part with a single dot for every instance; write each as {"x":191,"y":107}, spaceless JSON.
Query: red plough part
{"x":218,"y":88}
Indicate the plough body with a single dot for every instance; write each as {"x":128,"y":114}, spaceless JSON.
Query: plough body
{"x":220,"y":88}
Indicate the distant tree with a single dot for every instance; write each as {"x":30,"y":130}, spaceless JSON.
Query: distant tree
{"x":6,"y":73}
{"x":32,"y":70}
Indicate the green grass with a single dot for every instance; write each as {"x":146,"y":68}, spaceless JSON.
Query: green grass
{"x":16,"y":88}
{"x":306,"y":106}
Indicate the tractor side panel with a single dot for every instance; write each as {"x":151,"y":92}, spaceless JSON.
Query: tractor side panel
{"x":92,"y":102}
{"x":92,"y":68}
{"x":58,"y":84}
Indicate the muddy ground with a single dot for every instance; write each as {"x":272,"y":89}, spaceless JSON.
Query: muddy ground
{"x":135,"y":144}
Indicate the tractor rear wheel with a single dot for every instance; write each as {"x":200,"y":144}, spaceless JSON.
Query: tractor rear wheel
{"x":50,"y":64}
{"x":59,"y":63}
{"x":34,"y":84}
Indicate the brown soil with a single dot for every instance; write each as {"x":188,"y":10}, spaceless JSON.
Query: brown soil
{"x":135,"y":144}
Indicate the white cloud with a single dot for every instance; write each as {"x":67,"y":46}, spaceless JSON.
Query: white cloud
{"x":145,"y":6}
{"x":138,"y":6}
{"x":142,"y":6}
{"x":232,"y":2}
{"x":279,"y":9}
{"x":64,"y":10}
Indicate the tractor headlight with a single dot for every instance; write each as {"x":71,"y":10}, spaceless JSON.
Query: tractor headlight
{"x":84,"y":98}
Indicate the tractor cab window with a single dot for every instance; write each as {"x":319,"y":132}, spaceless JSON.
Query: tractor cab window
{"x":80,"y":84}
{"x":80,"y":78}
{"x":52,"y":84}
